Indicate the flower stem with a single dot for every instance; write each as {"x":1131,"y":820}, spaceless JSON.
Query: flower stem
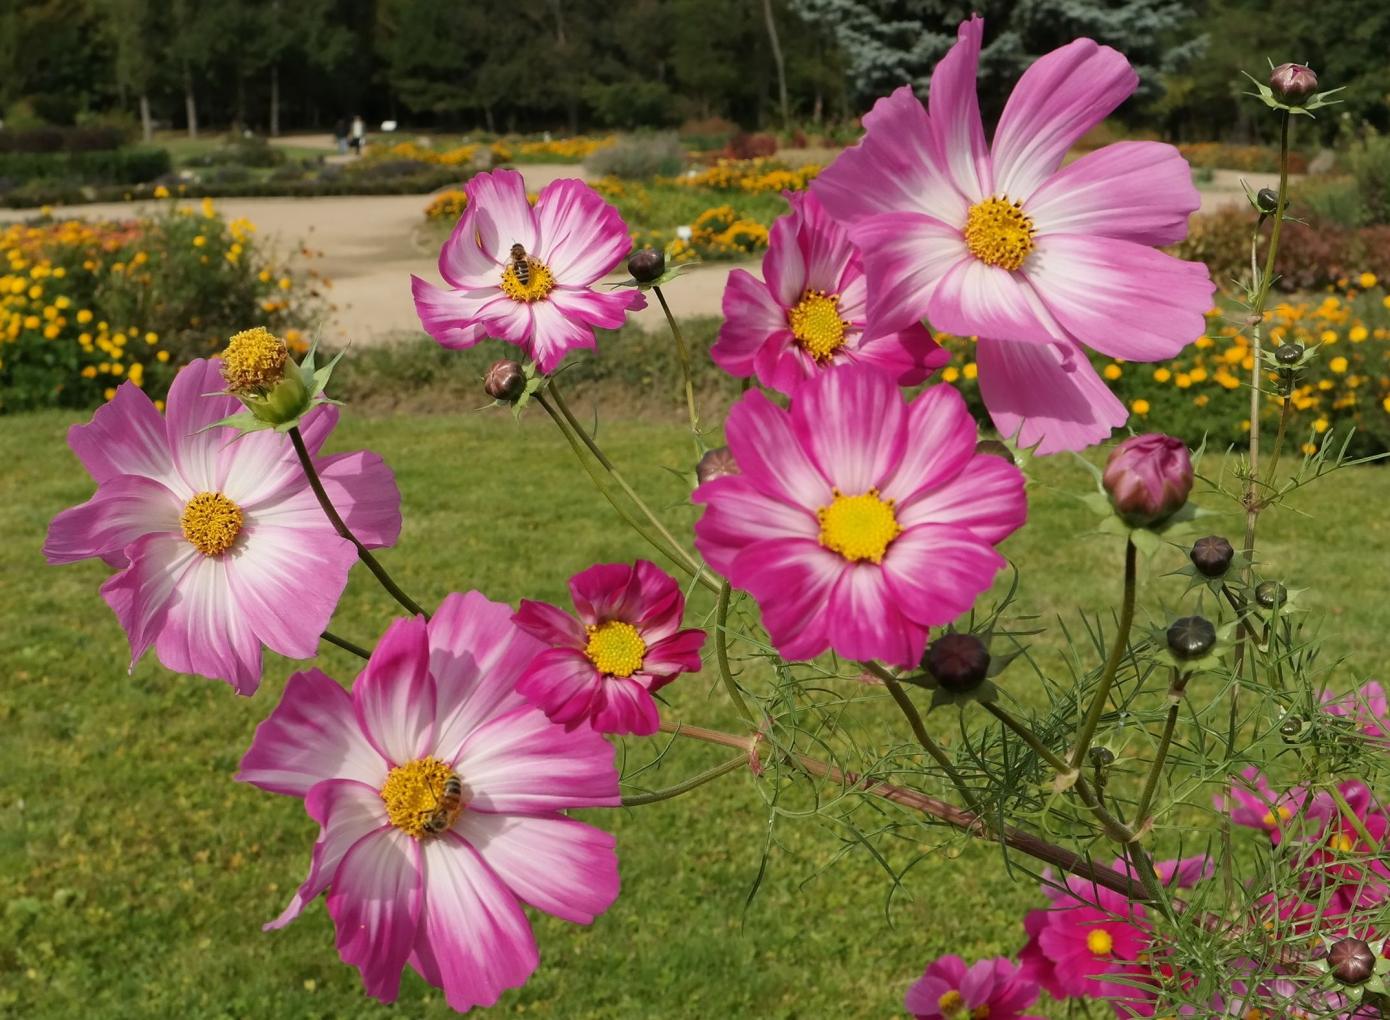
{"x":683,"y":353}
{"x":919,"y":730}
{"x":721,"y":654}
{"x":346,"y":645}
{"x":1151,"y":782}
{"x":363,"y":553}
{"x":569,"y":425}
{"x":1027,"y":736}
{"x":1112,"y":664}
{"x":699,"y":779}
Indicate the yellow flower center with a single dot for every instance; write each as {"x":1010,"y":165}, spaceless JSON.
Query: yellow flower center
{"x":858,"y":527}
{"x":1099,"y":942}
{"x":1280,"y":814}
{"x":950,"y":1002}
{"x":539,"y":281}
{"x":816,"y":324}
{"x":615,"y":648}
{"x":1344,"y":842}
{"x":423,"y":797}
{"x":211,"y":522}
{"x":254,"y":360}
{"x":999,"y":233}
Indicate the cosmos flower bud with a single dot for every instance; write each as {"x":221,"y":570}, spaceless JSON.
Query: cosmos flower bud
{"x":716,"y":463}
{"x":1211,"y":555}
{"x":1289,"y":353}
{"x":1191,"y":637}
{"x":647,"y":265}
{"x":1351,"y":961}
{"x":994,"y":448}
{"x":505,"y":381}
{"x":1101,"y":756}
{"x":1148,"y":479}
{"x":1267,"y":201}
{"x":1271,"y":594}
{"x":259,"y":372}
{"x":1291,"y":728}
{"x":1293,"y":83}
{"x":958,"y":662}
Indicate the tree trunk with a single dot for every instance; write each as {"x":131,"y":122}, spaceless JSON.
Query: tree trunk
{"x":274,"y":100}
{"x":777,"y":61}
{"x":146,"y":121}
{"x":487,"y":119}
{"x":190,"y":104}
{"x":240,"y":102}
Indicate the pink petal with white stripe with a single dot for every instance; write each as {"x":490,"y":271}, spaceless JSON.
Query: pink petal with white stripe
{"x":394,"y":697}
{"x":954,"y":114}
{"x":196,"y":449}
{"x":452,"y":317}
{"x":124,"y":509}
{"x":737,"y":514}
{"x":375,"y":903}
{"x":522,"y":762}
{"x":792,"y":579}
{"x":627,"y":708}
{"x":940,"y":440}
{"x":763,"y":442}
{"x":985,"y":498}
{"x":935,"y":572}
{"x":578,"y":256}
{"x":867,"y":622}
{"x":975,"y":298}
{"x":906,"y":255}
{"x":501,"y":215}
{"x":852,"y":423}
{"x":125,"y":437}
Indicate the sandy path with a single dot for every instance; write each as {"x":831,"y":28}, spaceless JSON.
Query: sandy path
{"x":372,"y":244}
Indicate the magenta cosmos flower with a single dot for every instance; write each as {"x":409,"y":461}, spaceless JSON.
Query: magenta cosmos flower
{"x":1002,"y":242}
{"x":858,"y":521}
{"x":221,"y":545}
{"x":808,"y":310}
{"x":950,"y":990}
{"x":440,"y":792}
{"x":526,"y":275}
{"x":603,"y":668}
{"x":1366,"y":707}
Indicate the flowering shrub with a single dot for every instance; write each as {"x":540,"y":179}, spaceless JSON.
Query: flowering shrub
{"x":87,"y":304}
{"x":460,"y":155}
{"x":1250,"y":158}
{"x":447,"y":205}
{"x":850,"y":539}
{"x":753,"y":176}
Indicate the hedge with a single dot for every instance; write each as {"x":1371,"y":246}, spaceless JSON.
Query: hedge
{"x":114,"y":166}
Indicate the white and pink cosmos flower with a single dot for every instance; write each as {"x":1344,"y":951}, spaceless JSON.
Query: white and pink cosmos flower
{"x":221,"y":545}
{"x":858,"y":521}
{"x":808,"y":311}
{"x":441,"y":795}
{"x":1002,"y":242}
{"x":548,"y":306}
{"x":627,"y":643}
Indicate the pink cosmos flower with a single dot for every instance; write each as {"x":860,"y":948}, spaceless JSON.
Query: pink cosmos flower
{"x":526,"y":275}
{"x":1255,"y":804}
{"x":1342,"y":858}
{"x":1000,"y":241}
{"x":220,"y":543}
{"x":951,"y":991}
{"x":603,"y":668}
{"x":1367,"y":707}
{"x":858,"y":521}
{"x":808,"y":310}
{"x":440,"y":792}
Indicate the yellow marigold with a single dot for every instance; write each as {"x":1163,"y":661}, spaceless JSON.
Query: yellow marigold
{"x":950,"y":373}
{"x":1310,"y":448}
{"x":1329,"y":336}
{"x":1184,"y":380}
{"x":1338,"y":365}
{"x":971,"y":370}
{"x":1162,"y":375}
{"x":1112,"y":372}
{"x":1139,"y":406}
{"x":1320,"y":425}
{"x":1357,"y":334}
{"x":161,"y":191}
{"x":1367,"y":280}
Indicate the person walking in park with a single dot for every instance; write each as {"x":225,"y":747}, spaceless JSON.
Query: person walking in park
{"x":340,"y":134}
{"x":359,"y":134}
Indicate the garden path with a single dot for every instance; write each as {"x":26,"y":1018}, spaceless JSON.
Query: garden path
{"x":370,"y":245}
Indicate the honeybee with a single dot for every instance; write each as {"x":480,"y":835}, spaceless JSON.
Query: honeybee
{"x":521,"y":265}
{"x":447,"y":808}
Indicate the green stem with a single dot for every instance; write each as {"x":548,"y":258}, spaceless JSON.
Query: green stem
{"x":700,"y":779}
{"x":683,"y":353}
{"x":919,"y":730}
{"x":1352,"y":817}
{"x":1151,"y":782}
{"x":721,"y":655}
{"x":1285,"y":413}
{"x":1112,"y":664}
{"x":1027,"y":736}
{"x":363,"y":553}
{"x":572,"y":429}
{"x":346,"y":645}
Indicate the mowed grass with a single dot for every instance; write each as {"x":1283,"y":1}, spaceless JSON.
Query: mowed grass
{"x":135,"y":875}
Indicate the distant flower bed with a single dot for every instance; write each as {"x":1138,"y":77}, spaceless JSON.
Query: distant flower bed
{"x":754,"y":176}
{"x":87,"y":304}
{"x":1251,"y":158}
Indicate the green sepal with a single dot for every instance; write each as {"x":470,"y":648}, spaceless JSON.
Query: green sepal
{"x":1314,"y":102}
{"x":1225,"y":642}
{"x":986,"y":692}
{"x":534,"y":382}
{"x":671,"y":273}
{"x":243,"y":421}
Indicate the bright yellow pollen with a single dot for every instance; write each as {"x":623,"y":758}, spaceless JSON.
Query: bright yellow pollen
{"x":950,"y":1002}
{"x":1099,"y":942}
{"x":1343,"y":842}
{"x":816,"y":324}
{"x":858,"y":527}
{"x":615,"y":648}
{"x":980,"y":1013}
{"x":999,"y":233}
{"x":1256,"y":1014}
{"x":211,"y":522}
{"x":414,"y":795}
{"x":1279,"y":815}
{"x":254,"y":360}
{"x":536,"y":288}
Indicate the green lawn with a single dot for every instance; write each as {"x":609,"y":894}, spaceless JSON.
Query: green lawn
{"x":135,"y":875}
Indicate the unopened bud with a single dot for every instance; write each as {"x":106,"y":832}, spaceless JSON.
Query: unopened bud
{"x":1351,"y":961}
{"x":1271,"y":594}
{"x":1211,"y":555}
{"x":1148,"y":478}
{"x":1191,"y":637}
{"x":505,"y":381}
{"x":716,"y":463}
{"x":958,"y":662}
{"x":1289,"y":353}
{"x":1267,"y":201}
{"x":647,"y":265}
{"x":994,"y":448}
{"x":1291,"y":728}
{"x":1293,"y":83}
{"x":1101,"y":756}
